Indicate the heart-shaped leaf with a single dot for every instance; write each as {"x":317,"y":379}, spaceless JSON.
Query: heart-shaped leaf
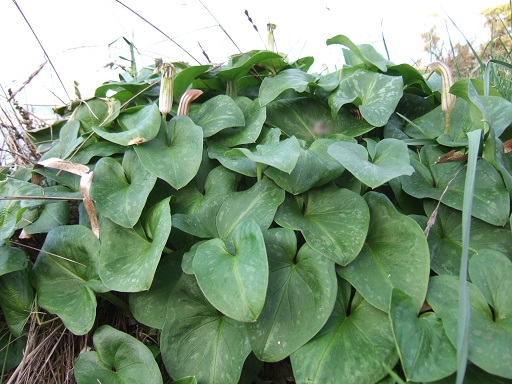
{"x":11,"y":259}
{"x":11,"y":210}
{"x":299,"y":283}
{"x":66,"y":278}
{"x":491,"y":271}
{"x":51,"y":216}
{"x":120,"y":191}
{"x":175,"y":154}
{"x":98,"y":149}
{"x":315,"y":167}
{"x":389,"y":159}
{"x":218,"y":113}
{"x":254,"y":116}
{"x":333,"y":221}
{"x":490,"y":336}
{"x":259,"y":203}
{"x":198,"y":341}
{"x":16,"y":299}
{"x":117,"y":358}
{"x":97,"y":111}
{"x":425,"y":351}
{"x":445,"y":239}
{"x":305,"y":118}
{"x":146,"y":306}
{"x":491,"y":201}
{"x":365,"y":53}
{"x":356,"y":347}
{"x":282,"y":155}
{"x":234,"y":277}
{"x":129,"y":256}
{"x":135,"y":126}
{"x":292,"y":78}
{"x":376,"y":95}
{"x":395,"y":255}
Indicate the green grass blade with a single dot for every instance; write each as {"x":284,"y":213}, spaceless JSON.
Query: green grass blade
{"x":467,"y":205}
{"x":482,"y":65}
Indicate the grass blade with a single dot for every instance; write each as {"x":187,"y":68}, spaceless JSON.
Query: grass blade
{"x":467,"y":205}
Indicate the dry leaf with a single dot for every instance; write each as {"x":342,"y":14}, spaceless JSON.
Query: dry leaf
{"x":452,"y":156}
{"x":65,"y":165}
{"x":137,"y":140}
{"x":85,"y":187}
{"x":507,"y":146}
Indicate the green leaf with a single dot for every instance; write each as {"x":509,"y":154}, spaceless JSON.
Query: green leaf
{"x":445,"y":239}
{"x":11,"y":259}
{"x":175,"y":154}
{"x":259,"y":203}
{"x":185,"y":77}
{"x":194,"y":212}
{"x":395,"y":255}
{"x":69,"y":139}
{"x":16,"y":299}
{"x":120,"y":191}
{"x":305,"y":118}
{"x":218,"y":113}
{"x":292,"y":78}
{"x":234,"y":277}
{"x":11,"y":210}
{"x":11,"y":350}
{"x":390,"y":159}
{"x":376,"y":95}
{"x":117,"y":358}
{"x":254,"y":116}
{"x":135,"y":126}
{"x":491,"y":201}
{"x":99,"y":149}
{"x":315,"y":167}
{"x":129,"y":256}
{"x":282,"y":155}
{"x":66,"y":278}
{"x":355,"y":347}
{"x":52,"y":215}
{"x":198,"y":341}
{"x":94,"y":112}
{"x":365,"y":52}
{"x":242,"y":64}
{"x":425,"y":351}
{"x":146,"y":306}
{"x":491,"y":271}
{"x":234,"y":160}
{"x":300,"y":297}
{"x":333,"y":221}
{"x":490,"y":337}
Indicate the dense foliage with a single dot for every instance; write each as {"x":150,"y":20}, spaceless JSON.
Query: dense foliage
{"x":272,"y":213}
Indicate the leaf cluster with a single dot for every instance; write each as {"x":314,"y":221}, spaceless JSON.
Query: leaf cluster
{"x":282,"y":218}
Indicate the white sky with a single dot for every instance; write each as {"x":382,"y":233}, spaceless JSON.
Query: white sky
{"x":76,"y":34}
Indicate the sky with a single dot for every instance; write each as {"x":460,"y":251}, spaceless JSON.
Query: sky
{"x":82,"y":37}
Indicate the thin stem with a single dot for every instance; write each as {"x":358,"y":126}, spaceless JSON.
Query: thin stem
{"x":44,"y":50}
{"x":159,"y":30}
{"x":113,"y":299}
{"x":259,"y":171}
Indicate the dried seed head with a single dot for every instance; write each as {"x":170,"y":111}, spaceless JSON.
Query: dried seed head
{"x":166,"y":88}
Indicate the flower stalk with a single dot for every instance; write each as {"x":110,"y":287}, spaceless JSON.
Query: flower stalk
{"x":447,"y":99}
